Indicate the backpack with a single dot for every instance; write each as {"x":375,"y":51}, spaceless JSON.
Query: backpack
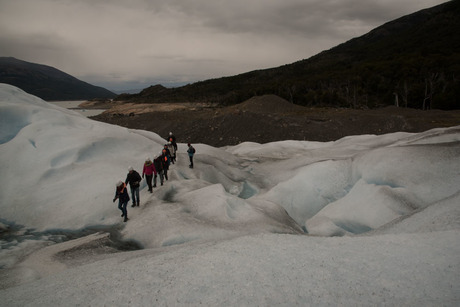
{"x":193,"y":150}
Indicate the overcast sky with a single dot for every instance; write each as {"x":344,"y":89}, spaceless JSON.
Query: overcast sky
{"x":124,"y":44}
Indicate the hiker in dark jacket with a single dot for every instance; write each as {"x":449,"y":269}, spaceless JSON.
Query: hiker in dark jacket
{"x":167,"y":151}
{"x":134,"y":179}
{"x":191,"y":152}
{"x":165,"y":160}
{"x":121,"y":193}
{"x":157,"y":161}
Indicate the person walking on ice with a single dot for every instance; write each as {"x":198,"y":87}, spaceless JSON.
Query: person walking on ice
{"x":165,"y":161}
{"x":172,"y":152}
{"x":148,"y":171}
{"x":191,"y":151}
{"x":171,"y":138}
{"x":172,"y":141}
{"x":158,"y":163}
{"x":121,"y":194}
{"x":134,"y":179}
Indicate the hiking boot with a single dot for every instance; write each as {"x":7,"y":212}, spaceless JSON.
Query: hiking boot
{"x":126,"y":219}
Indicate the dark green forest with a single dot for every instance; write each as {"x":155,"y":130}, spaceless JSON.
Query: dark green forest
{"x":413,"y":61}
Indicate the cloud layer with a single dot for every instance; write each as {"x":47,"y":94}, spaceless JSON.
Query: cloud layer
{"x":120,"y":44}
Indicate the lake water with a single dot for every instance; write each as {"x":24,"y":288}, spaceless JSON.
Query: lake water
{"x":73,"y":105}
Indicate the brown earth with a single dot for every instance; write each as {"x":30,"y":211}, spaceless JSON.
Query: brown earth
{"x":270,"y":118}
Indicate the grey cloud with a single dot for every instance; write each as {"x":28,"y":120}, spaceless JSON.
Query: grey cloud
{"x":49,"y":49}
{"x":262,"y":16}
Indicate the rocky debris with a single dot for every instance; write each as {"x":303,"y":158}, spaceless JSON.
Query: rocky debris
{"x":270,"y":118}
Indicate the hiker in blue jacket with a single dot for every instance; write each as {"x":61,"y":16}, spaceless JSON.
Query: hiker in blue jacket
{"x":121,"y":193}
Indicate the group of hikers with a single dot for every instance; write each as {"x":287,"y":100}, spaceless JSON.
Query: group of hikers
{"x":151,"y":171}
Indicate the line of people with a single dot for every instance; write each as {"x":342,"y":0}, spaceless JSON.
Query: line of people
{"x":151,"y":171}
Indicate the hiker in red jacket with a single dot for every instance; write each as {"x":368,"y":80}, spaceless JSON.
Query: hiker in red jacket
{"x":148,"y":171}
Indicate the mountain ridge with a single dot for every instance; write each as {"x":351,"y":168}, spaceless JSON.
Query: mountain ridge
{"x":48,"y":82}
{"x":411,"y":61}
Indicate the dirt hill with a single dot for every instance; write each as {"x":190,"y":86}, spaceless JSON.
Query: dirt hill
{"x":267,"y":104}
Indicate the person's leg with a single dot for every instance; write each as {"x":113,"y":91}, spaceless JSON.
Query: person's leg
{"x":149,"y":182}
{"x":125,"y":211}
{"x":155,"y":181}
{"x":136,"y":190}
{"x":133,"y":196}
{"x":120,"y":206}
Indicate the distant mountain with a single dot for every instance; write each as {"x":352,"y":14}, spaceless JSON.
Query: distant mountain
{"x":47,"y":82}
{"x":413,"y":61}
